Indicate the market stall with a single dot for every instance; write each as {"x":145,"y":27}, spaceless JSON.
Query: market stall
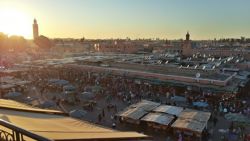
{"x":191,"y":123}
{"x":135,"y":112}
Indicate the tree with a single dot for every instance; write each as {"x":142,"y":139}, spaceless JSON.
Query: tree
{"x":16,"y":43}
{"x":82,"y":39}
{"x":3,"y":39}
{"x":44,"y":42}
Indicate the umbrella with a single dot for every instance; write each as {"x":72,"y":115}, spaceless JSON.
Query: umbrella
{"x":29,"y":99}
{"x":77,"y":113}
{"x":88,"y":89}
{"x":61,"y":82}
{"x":69,"y":88}
{"x":200,"y":104}
{"x":87,"y":96}
{"x":96,"y":88}
{"x":53,"y":80}
{"x":12,"y":95}
{"x":47,"y":104}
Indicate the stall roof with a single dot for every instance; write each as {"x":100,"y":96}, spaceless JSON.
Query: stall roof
{"x":195,"y":115}
{"x":59,"y":127}
{"x":172,"y":110}
{"x":145,"y":105}
{"x":192,"y":120}
{"x":159,"y":118}
{"x":191,"y":125}
{"x":133,"y":113}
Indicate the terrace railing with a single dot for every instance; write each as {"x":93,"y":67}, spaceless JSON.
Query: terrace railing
{"x":10,"y":132}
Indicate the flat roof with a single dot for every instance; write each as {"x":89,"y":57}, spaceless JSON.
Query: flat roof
{"x":164,"y":69}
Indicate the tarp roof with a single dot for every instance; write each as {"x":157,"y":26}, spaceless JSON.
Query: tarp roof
{"x":145,"y":105}
{"x":172,"y":110}
{"x":159,"y":118}
{"x":188,"y":124}
{"x":138,"y":110}
{"x":133,"y":113}
{"x":192,"y":120}
{"x":195,"y":115}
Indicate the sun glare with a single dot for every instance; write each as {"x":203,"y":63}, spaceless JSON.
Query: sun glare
{"x":14,"y":22}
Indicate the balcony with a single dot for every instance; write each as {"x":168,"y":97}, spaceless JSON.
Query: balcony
{"x":10,"y":132}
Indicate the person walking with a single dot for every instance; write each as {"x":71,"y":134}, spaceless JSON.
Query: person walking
{"x":215,"y":120}
{"x":180,"y":137}
{"x":99,"y":117}
{"x":103,"y":113}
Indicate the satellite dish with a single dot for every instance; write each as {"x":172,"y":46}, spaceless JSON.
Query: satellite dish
{"x":198,"y":75}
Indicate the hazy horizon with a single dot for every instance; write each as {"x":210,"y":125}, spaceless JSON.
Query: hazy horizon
{"x":99,"y":19}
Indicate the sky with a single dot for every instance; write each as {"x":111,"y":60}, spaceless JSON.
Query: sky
{"x":168,"y":19}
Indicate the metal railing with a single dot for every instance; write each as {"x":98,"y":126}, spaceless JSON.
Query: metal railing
{"x":10,"y":132}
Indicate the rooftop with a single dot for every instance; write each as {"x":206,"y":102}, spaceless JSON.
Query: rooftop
{"x":56,"y":126}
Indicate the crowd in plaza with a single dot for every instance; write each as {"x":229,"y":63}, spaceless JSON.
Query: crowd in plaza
{"x":129,"y":91}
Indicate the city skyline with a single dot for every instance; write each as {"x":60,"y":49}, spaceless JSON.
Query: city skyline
{"x":95,"y":19}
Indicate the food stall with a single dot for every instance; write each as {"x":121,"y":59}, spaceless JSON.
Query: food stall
{"x":191,"y":123}
{"x":135,"y":112}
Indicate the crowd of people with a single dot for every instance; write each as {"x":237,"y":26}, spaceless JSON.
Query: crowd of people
{"x":131,"y":90}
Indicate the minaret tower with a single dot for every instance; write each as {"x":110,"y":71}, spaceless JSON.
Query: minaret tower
{"x":187,"y":36}
{"x":35,"y":29}
{"x":186,"y":48}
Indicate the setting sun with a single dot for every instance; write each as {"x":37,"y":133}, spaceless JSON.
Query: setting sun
{"x":14,"y":22}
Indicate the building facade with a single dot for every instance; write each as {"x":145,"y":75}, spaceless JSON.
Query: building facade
{"x":188,"y":50}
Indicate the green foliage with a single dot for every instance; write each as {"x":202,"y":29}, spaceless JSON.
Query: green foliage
{"x":44,"y":42}
{"x":13,"y":43}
